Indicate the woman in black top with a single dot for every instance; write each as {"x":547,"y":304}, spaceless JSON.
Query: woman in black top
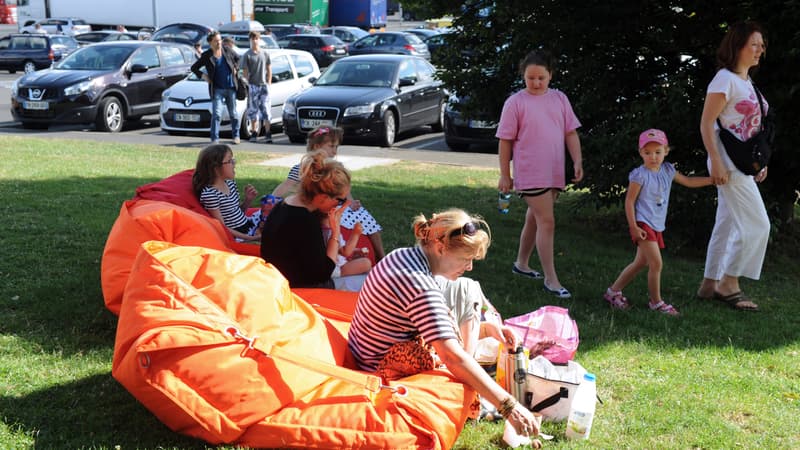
{"x":292,"y":237}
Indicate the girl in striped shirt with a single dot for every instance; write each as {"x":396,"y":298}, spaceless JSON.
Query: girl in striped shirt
{"x":213,"y":183}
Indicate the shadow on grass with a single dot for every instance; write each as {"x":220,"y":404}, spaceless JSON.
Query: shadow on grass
{"x":94,"y":412}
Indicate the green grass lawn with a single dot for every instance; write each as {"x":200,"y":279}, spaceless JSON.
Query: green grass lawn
{"x":712,"y":379}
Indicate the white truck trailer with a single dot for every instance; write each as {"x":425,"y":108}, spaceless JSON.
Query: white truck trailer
{"x":137,"y":14}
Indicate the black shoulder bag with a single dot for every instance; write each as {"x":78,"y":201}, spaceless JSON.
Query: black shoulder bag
{"x":752,"y":155}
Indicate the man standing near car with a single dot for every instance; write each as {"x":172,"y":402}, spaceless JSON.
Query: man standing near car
{"x":258,"y":72}
{"x":222,"y":68}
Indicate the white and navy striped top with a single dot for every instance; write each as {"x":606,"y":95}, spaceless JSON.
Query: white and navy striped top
{"x":229,"y":206}
{"x":399,"y":300}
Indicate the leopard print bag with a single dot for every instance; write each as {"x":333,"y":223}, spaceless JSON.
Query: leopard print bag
{"x":407,"y":358}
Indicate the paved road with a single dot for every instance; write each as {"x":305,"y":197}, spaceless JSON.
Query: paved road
{"x":416,"y":145}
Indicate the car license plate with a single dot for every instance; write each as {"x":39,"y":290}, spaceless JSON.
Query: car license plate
{"x":339,"y":51}
{"x":35,"y":105}
{"x":481,"y":124}
{"x":314,"y":123}
{"x":187,"y":117}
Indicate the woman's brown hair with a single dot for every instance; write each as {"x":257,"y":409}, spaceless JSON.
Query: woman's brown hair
{"x":205,"y":171}
{"x":320,"y":174}
{"x":734,"y":41}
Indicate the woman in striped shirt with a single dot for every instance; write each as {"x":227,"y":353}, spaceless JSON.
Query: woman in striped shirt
{"x":401,"y":301}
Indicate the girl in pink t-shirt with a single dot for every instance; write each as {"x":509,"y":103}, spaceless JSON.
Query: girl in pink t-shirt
{"x":534,"y":127}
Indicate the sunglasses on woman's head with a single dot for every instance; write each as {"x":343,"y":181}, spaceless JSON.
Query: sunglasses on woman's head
{"x":469,"y":229}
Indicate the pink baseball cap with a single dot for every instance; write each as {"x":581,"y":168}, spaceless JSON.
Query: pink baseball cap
{"x":652,"y":135}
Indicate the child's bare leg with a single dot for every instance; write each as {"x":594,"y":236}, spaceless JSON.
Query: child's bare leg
{"x":377,"y":245}
{"x":527,"y":239}
{"x":542,"y":206}
{"x":630,"y":271}
{"x":652,"y":254}
{"x":356,"y":266}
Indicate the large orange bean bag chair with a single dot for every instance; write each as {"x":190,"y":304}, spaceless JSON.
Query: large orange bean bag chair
{"x":218,"y":347}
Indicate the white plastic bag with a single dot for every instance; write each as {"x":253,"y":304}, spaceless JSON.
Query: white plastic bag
{"x":550,"y":388}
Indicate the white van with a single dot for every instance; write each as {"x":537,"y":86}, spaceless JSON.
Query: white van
{"x":186,"y":106}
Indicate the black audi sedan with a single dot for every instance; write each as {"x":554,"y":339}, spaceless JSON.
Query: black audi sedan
{"x":369,"y":96}
{"x":106,"y":83}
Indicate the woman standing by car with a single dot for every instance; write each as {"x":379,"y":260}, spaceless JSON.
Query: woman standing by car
{"x":222,"y":68}
{"x":738,"y":242}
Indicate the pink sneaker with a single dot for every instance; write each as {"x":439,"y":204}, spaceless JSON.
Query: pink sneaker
{"x":616,"y":299}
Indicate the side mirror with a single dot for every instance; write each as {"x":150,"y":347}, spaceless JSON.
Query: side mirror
{"x":138,"y":68}
{"x":407,"y":82}
{"x":312,"y":80}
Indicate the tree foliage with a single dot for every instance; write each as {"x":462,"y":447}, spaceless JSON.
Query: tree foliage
{"x":628,"y":66}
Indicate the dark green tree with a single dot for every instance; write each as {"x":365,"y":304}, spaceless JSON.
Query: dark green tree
{"x":627,"y":66}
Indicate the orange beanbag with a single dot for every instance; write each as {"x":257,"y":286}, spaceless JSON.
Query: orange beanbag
{"x":217,"y":347}
{"x":144,"y":220}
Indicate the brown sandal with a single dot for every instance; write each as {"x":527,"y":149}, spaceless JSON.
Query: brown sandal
{"x":737,"y":300}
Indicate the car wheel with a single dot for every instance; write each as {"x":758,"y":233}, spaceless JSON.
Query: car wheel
{"x":109,"y":115}
{"x":297,"y":138}
{"x":244,"y":128}
{"x":456,"y":146}
{"x":389,"y":129}
{"x":29,"y":67}
{"x":439,"y":124}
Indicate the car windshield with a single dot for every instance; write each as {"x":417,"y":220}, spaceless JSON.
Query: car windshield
{"x":359,"y":73}
{"x":96,"y":58}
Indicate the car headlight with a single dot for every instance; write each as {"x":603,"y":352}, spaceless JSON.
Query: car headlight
{"x":165,"y":94}
{"x":359,"y":110}
{"x":289,"y":108}
{"x":77,"y":88}
{"x":15,"y":87}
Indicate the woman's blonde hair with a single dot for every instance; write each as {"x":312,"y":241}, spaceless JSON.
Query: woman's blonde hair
{"x":456,"y":229}
{"x":320,"y":174}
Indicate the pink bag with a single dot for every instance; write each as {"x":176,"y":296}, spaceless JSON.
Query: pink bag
{"x":549,"y":331}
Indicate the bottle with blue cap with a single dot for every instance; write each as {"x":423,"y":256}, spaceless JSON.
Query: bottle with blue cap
{"x":503,"y":202}
{"x":581,"y":413}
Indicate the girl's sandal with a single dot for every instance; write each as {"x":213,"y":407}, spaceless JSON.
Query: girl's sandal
{"x":616,"y":299}
{"x":665,"y":308}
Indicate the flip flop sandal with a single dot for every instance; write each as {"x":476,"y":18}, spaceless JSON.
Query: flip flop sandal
{"x":528,"y":273}
{"x":737,"y":301}
{"x":616,"y":300}
{"x":560,"y":292}
{"x":665,"y":308}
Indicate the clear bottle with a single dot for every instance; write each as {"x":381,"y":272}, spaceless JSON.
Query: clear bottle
{"x":503,"y":202}
{"x":581,"y":413}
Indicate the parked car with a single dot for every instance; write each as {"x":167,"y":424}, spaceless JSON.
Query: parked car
{"x":105,"y":35}
{"x":66,"y":44}
{"x":325,"y":48}
{"x":107,"y":83}
{"x":59,"y":25}
{"x":399,"y":43}
{"x":185,"y":33}
{"x":348,"y":35}
{"x":461,"y":131}
{"x":436,"y":43}
{"x":422,"y":33}
{"x":369,"y":96}
{"x":242,"y":41}
{"x":30,"y":52}
{"x":186,"y":106}
{"x":279,"y":30}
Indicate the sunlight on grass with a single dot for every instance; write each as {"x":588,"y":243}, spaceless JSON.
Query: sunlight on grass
{"x":713,"y":379}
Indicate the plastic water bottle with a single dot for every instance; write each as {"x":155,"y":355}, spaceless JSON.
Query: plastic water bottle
{"x":503,"y":202}
{"x":581,"y":413}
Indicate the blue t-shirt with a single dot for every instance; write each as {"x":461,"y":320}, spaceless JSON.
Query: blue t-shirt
{"x":222,"y":74}
{"x":653,"y":199}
